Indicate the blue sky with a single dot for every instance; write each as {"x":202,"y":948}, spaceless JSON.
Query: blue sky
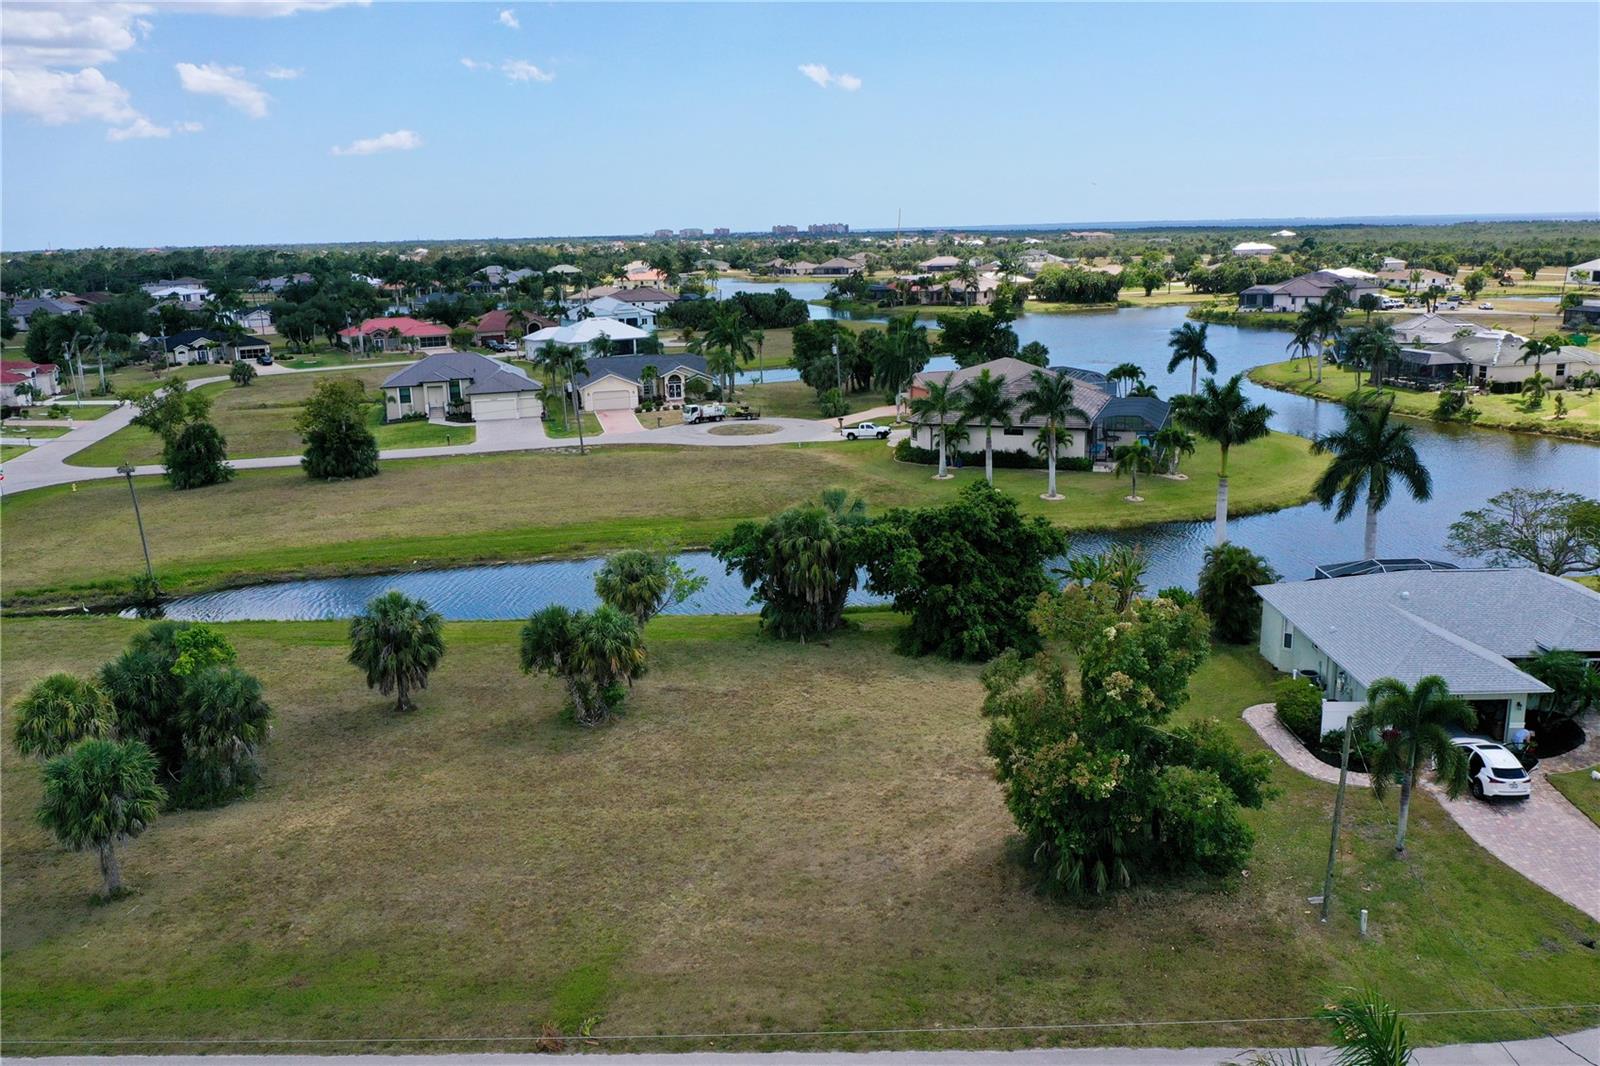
{"x":154,"y":123}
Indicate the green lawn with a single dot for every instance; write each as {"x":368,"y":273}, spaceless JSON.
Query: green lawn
{"x":18,"y":430}
{"x":1497,"y":411}
{"x":1581,"y":789}
{"x":558,"y":425}
{"x":336,"y":357}
{"x":775,"y":837}
{"x":258,"y":420}
{"x":530,"y":504}
{"x":796,"y":399}
{"x":85,"y":412}
{"x":11,"y":451}
{"x":136,"y":379}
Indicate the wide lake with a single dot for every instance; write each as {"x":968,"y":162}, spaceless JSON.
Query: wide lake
{"x":1468,"y":467}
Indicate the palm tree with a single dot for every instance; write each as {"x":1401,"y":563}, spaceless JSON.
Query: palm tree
{"x":98,"y":795}
{"x":1188,"y":344}
{"x":58,"y":712}
{"x":1413,"y":727}
{"x":1534,"y":388}
{"x":1172,"y":444}
{"x":967,"y":274}
{"x":398,"y":641}
{"x":1135,"y":458}
{"x":1225,"y":415}
{"x":1367,"y":1031}
{"x":1323,"y":321}
{"x":759,"y":339}
{"x":728,"y":334}
{"x":1372,"y":348}
{"x":984,"y":401}
{"x":901,"y":356}
{"x":1123,"y":373}
{"x":1368,"y":303}
{"x":1050,"y":399}
{"x":1144,"y":388}
{"x":937,"y":407}
{"x":1369,"y":453}
{"x":1536,"y":348}
{"x":573,"y":362}
{"x":648,"y":375}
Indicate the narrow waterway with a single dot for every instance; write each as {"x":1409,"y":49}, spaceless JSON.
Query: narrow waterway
{"x":1468,"y":467}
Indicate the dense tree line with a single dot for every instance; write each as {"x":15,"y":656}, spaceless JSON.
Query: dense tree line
{"x":760,"y":310}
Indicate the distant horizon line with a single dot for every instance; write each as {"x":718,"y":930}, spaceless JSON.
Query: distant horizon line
{"x":1283,"y":221}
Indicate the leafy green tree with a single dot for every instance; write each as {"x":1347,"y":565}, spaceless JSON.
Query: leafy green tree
{"x":1369,"y":454}
{"x":973,"y":337}
{"x":1552,"y":531}
{"x":225,"y":720}
{"x":1367,"y":303}
{"x":832,"y":404}
{"x":801,"y":563}
{"x":1188,"y":344}
{"x":58,"y":712}
{"x":937,"y":407}
{"x":197,"y":457}
{"x":1413,"y":725}
{"x":966,"y":573}
{"x":1105,"y":791}
{"x":1049,"y":398}
{"x":242,"y":374}
{"x":642,"y":584}
{"x":984,"y":401}
{"x":397,"y":641}
{"x":333,"y":425}
{"x":1473,"y":283}
{"x":1227,"y":592}
{"x":98,"y":795}
{"x":595,"y":654}
{"x":1225,"y":415}
{"x":1133,"y":459}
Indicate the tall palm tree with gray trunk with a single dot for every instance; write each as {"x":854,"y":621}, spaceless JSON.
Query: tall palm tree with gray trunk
{"x":1369,"y":454}
{"x":985,"y":402}
{"x":1188,"y":344}
{"x":936,"y":408}
{"x":1050,"y":399}
{"x":1415,"y":728}
{"x":1223,"y":413}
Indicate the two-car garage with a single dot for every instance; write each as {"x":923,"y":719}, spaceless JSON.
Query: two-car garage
{"x":610,"y":393}
{"x":497,"y":406}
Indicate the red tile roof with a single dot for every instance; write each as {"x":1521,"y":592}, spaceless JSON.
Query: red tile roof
{"x":498,"y":322}
{"x":23,"y":365}
{"x":408,"y":327}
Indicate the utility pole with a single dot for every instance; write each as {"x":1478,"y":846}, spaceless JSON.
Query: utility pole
{"x":1338,"y":813}
{"x":126,"y":470}
{"x":838,"y":377}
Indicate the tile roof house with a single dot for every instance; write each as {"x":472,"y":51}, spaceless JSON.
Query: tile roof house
{"x":1304,"y":291}
{"x":582,"y":334}
{"x":460,"y":384}
{"x":495,"y":325}
{"x":395,"y":334}
{"x":938,"y":263}
{"x":42,"y":380}
{"x":1110,"y":421}
{"x":1470,"y":627}
{"x":617,"y":382}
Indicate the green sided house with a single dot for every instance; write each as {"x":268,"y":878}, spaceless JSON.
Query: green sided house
{"x":460,"y":385}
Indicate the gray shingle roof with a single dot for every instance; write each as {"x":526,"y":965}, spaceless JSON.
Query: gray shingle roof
{"x":463,"y":366}
{"x":1461,"y":624}
{"x":628,"y":367}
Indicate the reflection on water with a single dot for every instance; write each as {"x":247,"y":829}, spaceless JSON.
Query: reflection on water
{"x":1468,"y":467}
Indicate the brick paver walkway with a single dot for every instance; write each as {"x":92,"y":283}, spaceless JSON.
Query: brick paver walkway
{"x":1544,"y":838}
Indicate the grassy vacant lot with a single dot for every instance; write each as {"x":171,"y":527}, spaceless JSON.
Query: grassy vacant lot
{"x":136,"y":379}
{"x":259,"y":420}
{"x":1581,"y":789}
{"x":796,"y":399}
{"x":530,"y":504}
{"x":1497,"y":411}
{"x":776,"y":837}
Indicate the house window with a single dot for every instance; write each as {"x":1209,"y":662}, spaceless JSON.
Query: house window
{"x":405,"y":394}
{"x":1288,"y":638}
{"x":1561,"y":370}
{"x":674,"y":387}
{"x":1013,"y":432}
{"x":455,"y":390}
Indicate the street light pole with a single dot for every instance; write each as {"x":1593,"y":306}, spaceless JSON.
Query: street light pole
{"x":126,"y":470}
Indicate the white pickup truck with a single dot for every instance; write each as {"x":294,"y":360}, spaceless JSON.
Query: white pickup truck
{"x":703,"y":412}
{"x":866,"y":429}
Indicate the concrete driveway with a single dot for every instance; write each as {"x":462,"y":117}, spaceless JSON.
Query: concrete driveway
{"x":618,"y":422}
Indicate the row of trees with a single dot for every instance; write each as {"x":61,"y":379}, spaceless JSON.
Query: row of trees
{"x":171,"y":723}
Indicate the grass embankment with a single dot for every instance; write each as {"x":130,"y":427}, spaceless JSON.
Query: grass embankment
{"x":520,"y":505}
{"x":258,"y":420}
{"x":1495,"y":410}
{"x":775,"y":837}
{"x":1581,"y":789}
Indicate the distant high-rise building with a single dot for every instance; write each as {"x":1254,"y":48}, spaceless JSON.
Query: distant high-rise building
{"x":785,"y":231}
{"x":824,"y":229}
{"x":721,"y":231}
{"x":693,"y":231}
{"x":663,"y":233}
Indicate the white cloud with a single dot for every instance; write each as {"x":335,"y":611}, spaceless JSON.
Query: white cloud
{"x":473,"y":64}
{"x":213,"y":79}
{"x":398,"y":141}
{"x":522,"y":70}
{"x":284,"y":73}
{"x":266,"y":9}
{"x":826,"y":78}
{"x":508,"y":19}
{"x":57,"y":97}
{"x":142,"y":128}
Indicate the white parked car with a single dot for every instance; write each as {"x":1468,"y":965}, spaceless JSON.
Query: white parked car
{"x":1486,"y":306}
{"x":1390,"y":303}
{"x":1493,"y":770}
{"x":866,"y":429}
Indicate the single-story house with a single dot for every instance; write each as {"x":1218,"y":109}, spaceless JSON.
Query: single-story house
{"x":283,"y":281}
{"x":496,"y":325}
{"x":1583,"y":315}
{"x":42,"y":380}
{"x":1307,"y":290}
{"x":210,"y":346}
{"x":721,"y":266}
{"x":1494,"y":357}
{"x":837,"y":267}
{"x":1110,"y":421}
{"x":582,"y":334}
{"x":256,"y":320}
{"x":1391,"y":263}
{"x":1246,"y":249}
{"x":1585,"y":273}
{"x":1400,"y":278}
{"x":613,"y":308}
{"x":184,"y":295}
{"x":1470,"y":627}
{"x":23,"y":310}
{"x":939,"y":264}
{"x":460,"y":383}
{"x":618,"y":383}
{"x":564,"y":268}
{"x":799,"y":268}
{"x":396,"y":334}
{"x":1432,"y":328}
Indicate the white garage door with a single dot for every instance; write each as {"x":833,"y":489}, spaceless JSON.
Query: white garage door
{"x":494,"y":408}
{"x":611,"y":400}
